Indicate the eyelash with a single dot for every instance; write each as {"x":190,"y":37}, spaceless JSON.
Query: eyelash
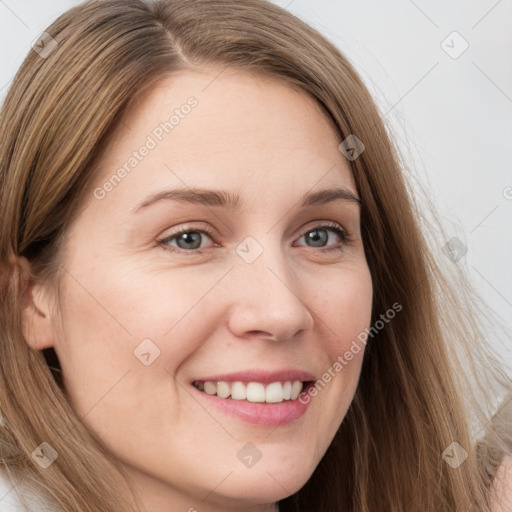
{"x":343,"y":234}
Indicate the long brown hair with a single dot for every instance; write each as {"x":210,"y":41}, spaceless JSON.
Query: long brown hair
{"x":414,"y":398}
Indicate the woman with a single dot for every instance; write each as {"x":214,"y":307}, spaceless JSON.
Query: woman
{"x":252,"y":371}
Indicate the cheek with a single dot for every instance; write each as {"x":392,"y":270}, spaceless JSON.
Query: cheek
{"x":116,"y":308}
{"x":114,"y":316}
{"x":345,"y":311}
{"x":345,"y":308}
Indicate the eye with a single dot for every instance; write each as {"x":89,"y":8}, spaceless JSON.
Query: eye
{"x":317,"y":237}
{"x":188,"y":239}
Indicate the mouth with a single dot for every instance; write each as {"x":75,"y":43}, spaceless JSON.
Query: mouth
{"x":254,"y":391}
{"x":259,"y":397}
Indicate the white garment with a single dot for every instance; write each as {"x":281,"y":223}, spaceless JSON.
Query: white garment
{"x":9,"y":500}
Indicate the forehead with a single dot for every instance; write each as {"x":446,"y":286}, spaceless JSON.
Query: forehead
{"x":224,"y":128}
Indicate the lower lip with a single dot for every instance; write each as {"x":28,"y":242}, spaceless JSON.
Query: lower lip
{"x":258,"y":413}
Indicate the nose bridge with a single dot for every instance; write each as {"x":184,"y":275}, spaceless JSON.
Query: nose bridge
{"x":268,"y":296}
{"x":262,"y":259}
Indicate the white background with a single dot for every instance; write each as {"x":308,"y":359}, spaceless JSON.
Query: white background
{"x":452,"y":117}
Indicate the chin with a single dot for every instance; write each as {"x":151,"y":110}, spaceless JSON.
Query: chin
{"x":270,"y":482}
{"x":252,"y":489}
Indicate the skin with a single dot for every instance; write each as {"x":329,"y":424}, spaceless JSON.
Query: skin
{"x":210,"y":313}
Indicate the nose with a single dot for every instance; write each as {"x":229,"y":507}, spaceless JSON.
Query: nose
{"x":268,"y":300}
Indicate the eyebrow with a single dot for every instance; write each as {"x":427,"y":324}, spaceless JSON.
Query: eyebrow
{"x":226,"y":200}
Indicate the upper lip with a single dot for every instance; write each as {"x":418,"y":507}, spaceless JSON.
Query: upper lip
{"x":263,"y":376}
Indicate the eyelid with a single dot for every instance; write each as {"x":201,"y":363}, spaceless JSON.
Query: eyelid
{"x":190,"y":226}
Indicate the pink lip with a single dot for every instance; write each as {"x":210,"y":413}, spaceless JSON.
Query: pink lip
{"x":265,"y":377}
{"x":256,"y":412}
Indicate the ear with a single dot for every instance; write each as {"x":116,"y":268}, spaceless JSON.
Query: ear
{"x":38,"y":324}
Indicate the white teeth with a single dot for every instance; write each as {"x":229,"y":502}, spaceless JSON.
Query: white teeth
{"x":255,"y":392}
{"x":296,"y":389}
{"x":274,"y":392}
{"x":238,"y":391}
{"x":223,"y":389}
{"x":287,"y":390}
{"x":210,"y":388}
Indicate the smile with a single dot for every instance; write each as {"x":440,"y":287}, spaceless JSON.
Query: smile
{"x":255,"y":392}
{"x":259,"y":397}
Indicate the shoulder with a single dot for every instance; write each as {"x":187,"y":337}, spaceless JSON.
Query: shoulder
{"x":502,"y":500}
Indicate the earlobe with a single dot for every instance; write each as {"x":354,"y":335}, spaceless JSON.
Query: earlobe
{"x":36,"y":312}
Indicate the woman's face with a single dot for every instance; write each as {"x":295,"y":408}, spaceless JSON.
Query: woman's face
{"x":262,"y":293}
